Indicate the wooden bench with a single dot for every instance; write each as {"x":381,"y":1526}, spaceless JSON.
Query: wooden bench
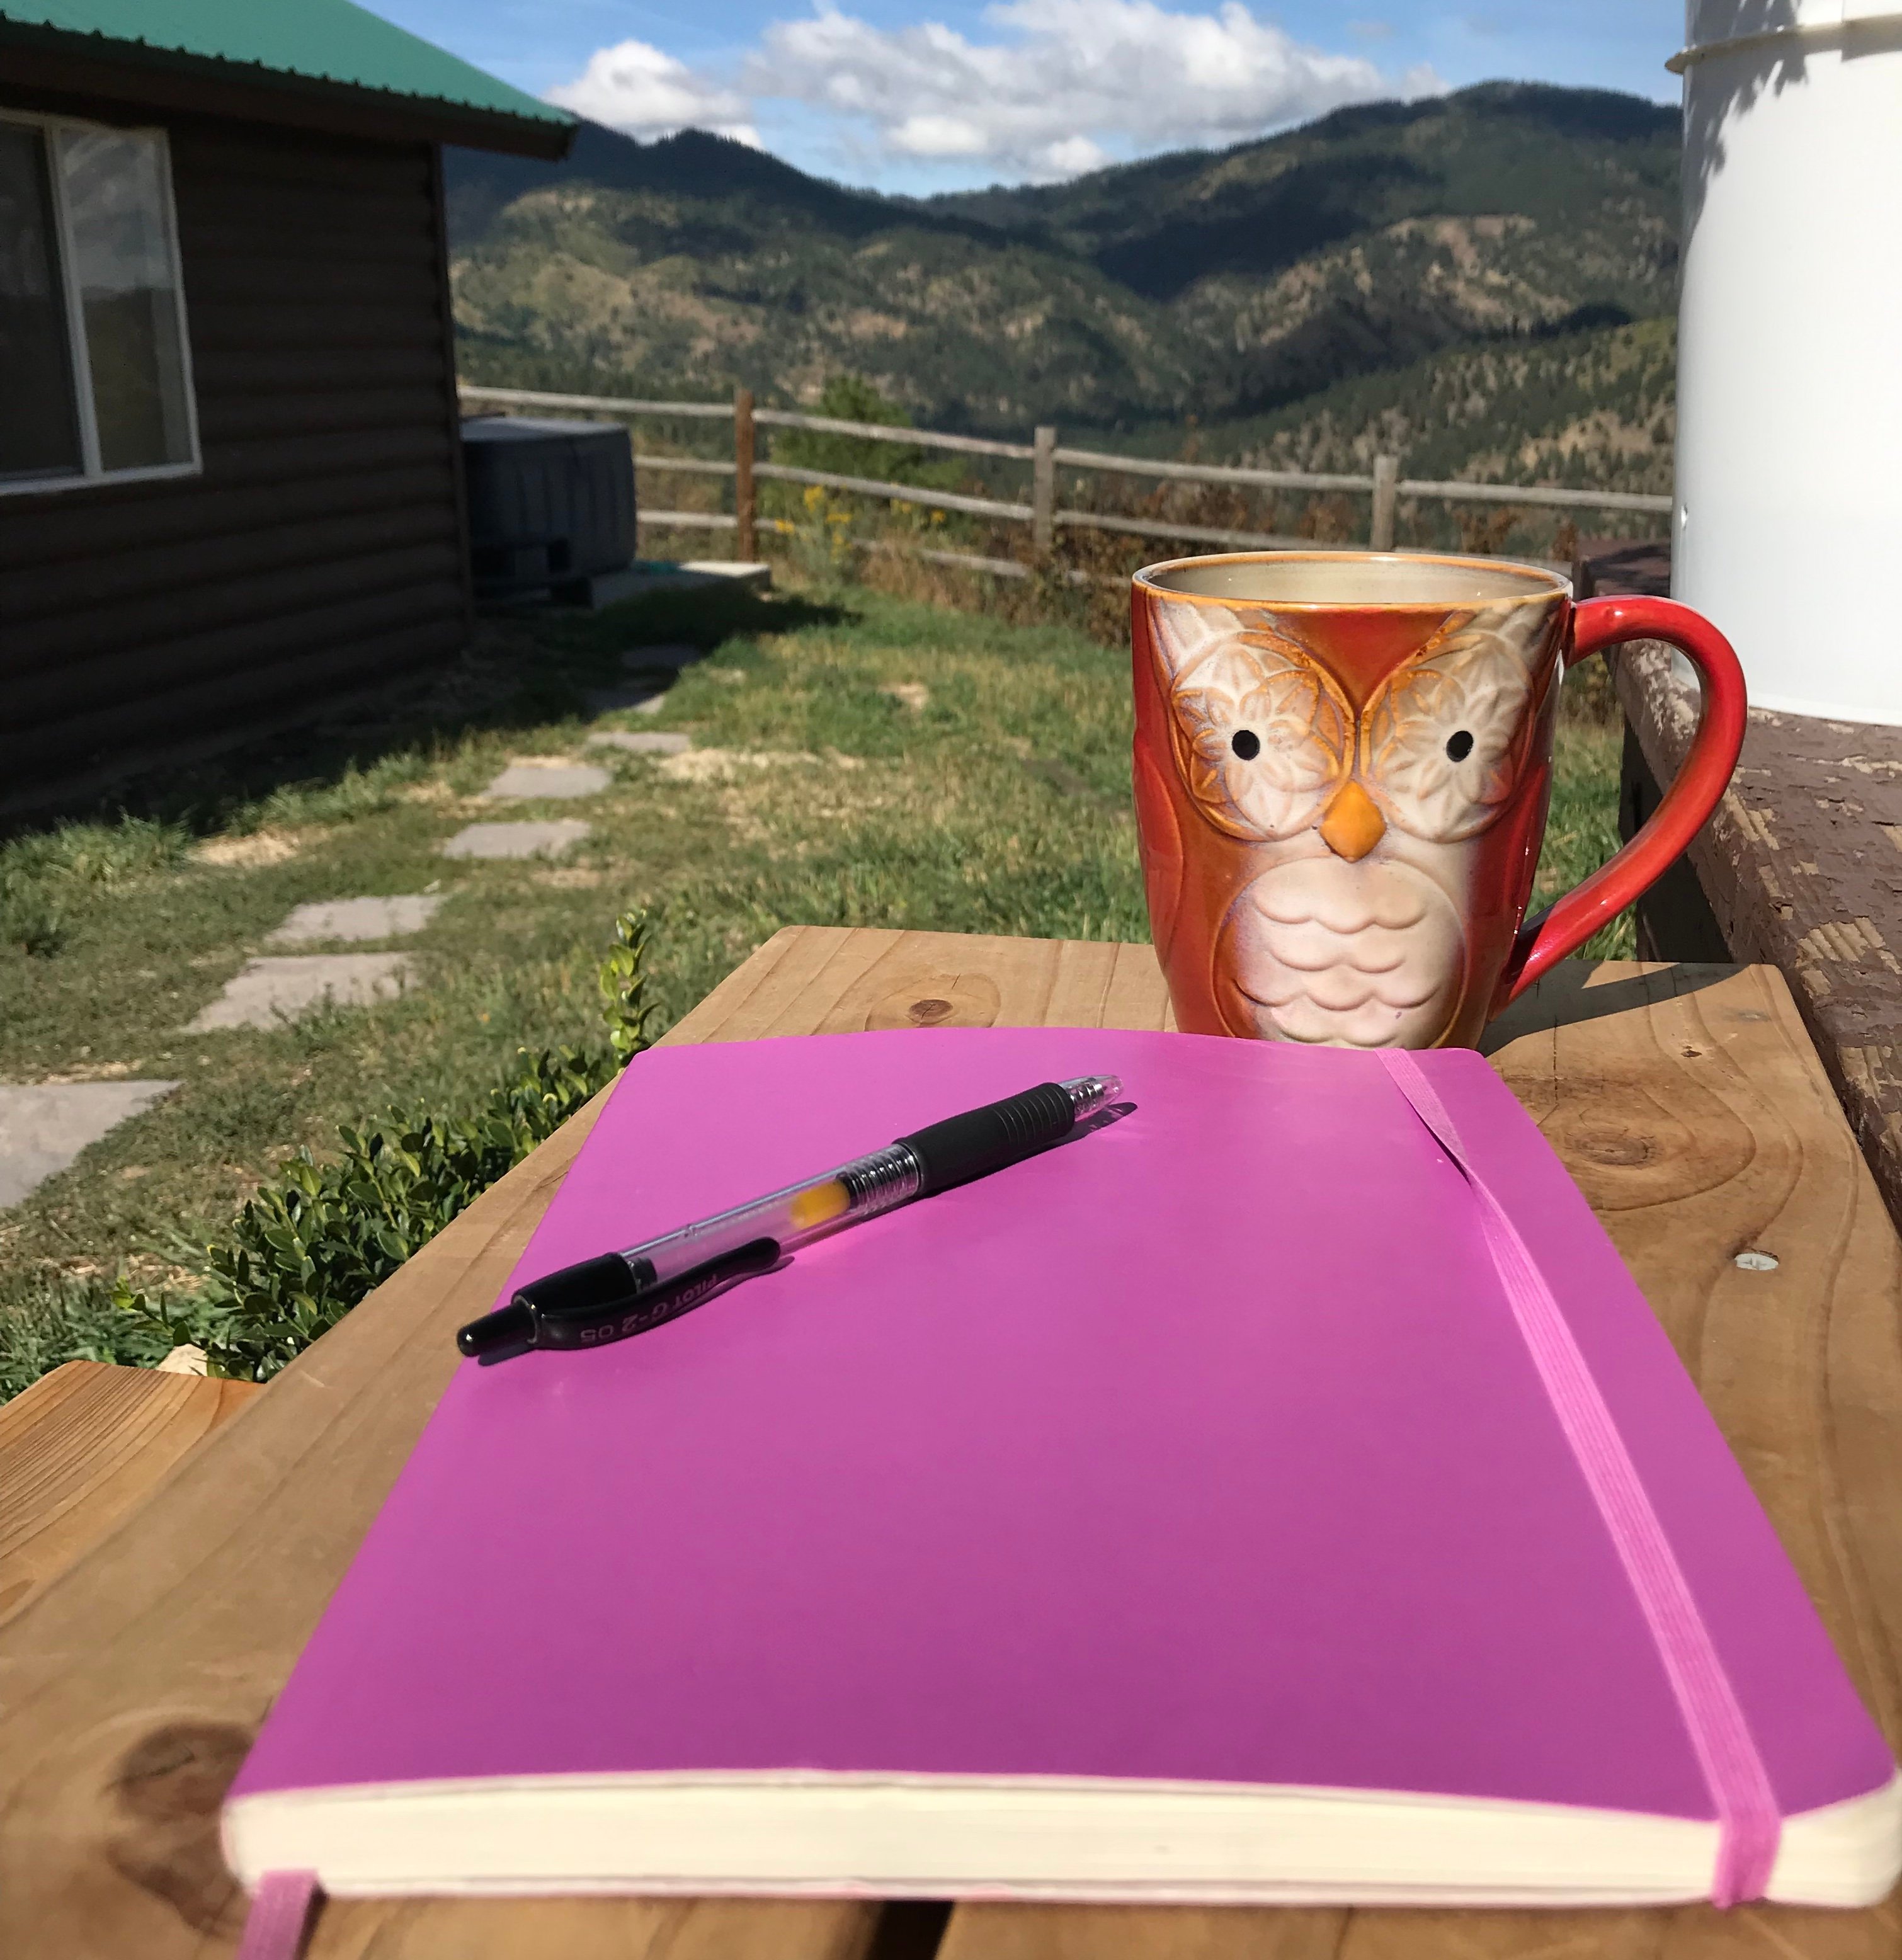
{"x":1687,"y":1101}
{"x":1801,"y":867}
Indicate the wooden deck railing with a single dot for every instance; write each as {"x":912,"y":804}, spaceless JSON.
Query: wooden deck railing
{"x":1384,"y":486}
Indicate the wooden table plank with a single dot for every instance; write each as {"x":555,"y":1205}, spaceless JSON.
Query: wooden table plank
{"x":131,"y":1684}
{"x":82,"y":1449}
{"x":1690,"y":1105}
{"x":831,"y":980}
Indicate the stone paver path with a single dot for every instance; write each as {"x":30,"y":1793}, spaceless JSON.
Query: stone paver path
{"x":43,"y":1126}
{"x":532,"y":776}
{"x":546,"y":839}
{"x":642,"y":743}
{"x":279,"y":988}
{"x":355,"y":919}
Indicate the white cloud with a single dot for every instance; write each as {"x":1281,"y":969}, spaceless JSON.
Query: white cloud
{"x":1074,"y":82}
{"x":1074,"y":155}
{"x":1069,"y":85}
{"x":636,"y":88}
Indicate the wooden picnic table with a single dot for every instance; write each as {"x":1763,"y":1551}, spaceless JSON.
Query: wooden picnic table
{"x":1687,"y":1101}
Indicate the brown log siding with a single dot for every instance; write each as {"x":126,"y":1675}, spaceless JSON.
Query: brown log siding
{"x":320,"y":550}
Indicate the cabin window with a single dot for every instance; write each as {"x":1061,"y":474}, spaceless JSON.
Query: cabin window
{"x":95,"y":372}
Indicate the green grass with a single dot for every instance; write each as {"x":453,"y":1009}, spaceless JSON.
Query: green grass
{"x":995,"y":801}
{"x":1582,"y":828}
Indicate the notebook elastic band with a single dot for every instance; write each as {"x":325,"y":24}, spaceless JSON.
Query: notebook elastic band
{"x":1748,"y":1821}
{"x":280,"y":1911}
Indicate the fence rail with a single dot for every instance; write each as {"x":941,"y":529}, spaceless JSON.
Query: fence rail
{"x":965,"y":445}
{"x":898,"y":493}
{"x":1208,"y":472}
{"x":1384,"y":484}
{"x":1157,"y":527}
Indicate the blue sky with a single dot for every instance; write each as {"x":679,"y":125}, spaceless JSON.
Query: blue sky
{"x":921,"y":95}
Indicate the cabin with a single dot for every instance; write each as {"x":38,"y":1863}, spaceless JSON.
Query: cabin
{"x":231,"y":479}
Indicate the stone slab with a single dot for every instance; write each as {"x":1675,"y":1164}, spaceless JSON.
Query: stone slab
{"x":639,"y":659}
{"x":548,"y":838}
{"x":633,"y":742}
{"x":527,"y":781}
{"x":43,"y":1126}
{"x":278,"y":988}
{"x":756,"y":574}
{"x":355,"y":919}
{"x":709,"y":574}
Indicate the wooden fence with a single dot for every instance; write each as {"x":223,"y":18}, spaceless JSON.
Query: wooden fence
{"x":1384,"y":486}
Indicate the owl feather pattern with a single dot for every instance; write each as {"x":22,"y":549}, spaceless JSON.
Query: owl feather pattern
{"x":1358,"y":828}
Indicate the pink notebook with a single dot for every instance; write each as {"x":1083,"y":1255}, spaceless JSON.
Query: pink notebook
{"x":1184,"y":1513}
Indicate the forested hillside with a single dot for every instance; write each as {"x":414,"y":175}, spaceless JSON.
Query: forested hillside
{"x":1595,"y":407}
{"x":1212,"y":285}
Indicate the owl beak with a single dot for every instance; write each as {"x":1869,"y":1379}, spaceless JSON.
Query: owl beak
{"x":1352,"y":826}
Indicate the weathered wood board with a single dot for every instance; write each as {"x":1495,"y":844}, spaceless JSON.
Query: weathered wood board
{"x":1801,"y":866}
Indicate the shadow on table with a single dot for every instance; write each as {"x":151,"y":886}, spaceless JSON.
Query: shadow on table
{"x":1566,"y":995}
{"x":909,"y":1930}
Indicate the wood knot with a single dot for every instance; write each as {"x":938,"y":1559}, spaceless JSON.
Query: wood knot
{"x":166,"y":1790}
{"x":1609,"y":1147}
{"x":927,"y":1000}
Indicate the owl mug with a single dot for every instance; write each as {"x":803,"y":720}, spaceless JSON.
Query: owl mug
{"x":1343,"y":764}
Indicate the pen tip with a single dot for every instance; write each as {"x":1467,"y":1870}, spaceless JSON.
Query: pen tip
{"x":508,"y":1331}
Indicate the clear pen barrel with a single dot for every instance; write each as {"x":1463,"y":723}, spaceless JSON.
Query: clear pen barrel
{"x":1089,"y":1093}
{"x":860,"y":1189}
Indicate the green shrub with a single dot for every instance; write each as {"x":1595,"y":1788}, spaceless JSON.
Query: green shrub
{"x":623,"y":981}
{"x":58,"y":1318}
{"x":850,"y":398}
{"x":307,"y":1248}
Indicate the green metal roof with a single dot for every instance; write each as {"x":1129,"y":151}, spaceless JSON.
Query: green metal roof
{"x":319,"y":40}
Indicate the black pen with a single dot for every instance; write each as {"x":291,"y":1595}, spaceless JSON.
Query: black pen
{"x":621,"y":1294}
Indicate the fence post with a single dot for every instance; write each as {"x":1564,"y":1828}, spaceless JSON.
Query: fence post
{"x":1043,"y":492}
{"x":1380,"y":534}
{"x":746,"y":545}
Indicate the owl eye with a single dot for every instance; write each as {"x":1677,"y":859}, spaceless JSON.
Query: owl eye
{"x":1445,"y":741}
{"x":1261,"y":733}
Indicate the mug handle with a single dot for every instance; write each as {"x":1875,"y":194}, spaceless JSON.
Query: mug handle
{"x":1695,"y":791}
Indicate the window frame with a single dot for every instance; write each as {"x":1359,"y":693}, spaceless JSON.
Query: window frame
{"x":92,"y":475}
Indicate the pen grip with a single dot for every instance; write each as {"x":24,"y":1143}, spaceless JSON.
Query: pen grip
{"x":962,"y":1147}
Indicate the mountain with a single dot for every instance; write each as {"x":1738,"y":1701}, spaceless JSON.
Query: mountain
{"x":1218,"y":284}
{"x":1595,"y":406}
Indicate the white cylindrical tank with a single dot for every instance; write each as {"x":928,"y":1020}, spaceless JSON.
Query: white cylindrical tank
{"x":1789,"y":521}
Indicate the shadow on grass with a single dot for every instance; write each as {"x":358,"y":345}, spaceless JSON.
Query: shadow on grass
{"x":695,"y":615}
{"x":524,"y":669}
